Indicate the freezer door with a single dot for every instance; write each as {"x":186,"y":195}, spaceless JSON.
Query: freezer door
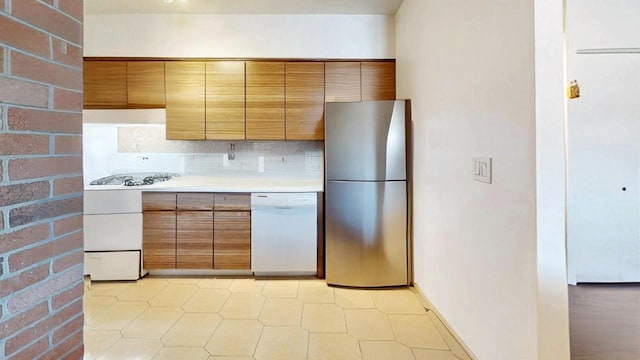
{"x":366,"y":233}
{"x":366,"y":140}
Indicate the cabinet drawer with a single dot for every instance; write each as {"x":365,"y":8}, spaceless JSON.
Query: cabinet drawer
{"x":118,"y":265}
{"x":232,"y":202}
{"x":153,"y":201}
{"x":195,"y":201}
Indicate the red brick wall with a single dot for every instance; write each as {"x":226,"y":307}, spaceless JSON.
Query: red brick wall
{"x":41,"y":255}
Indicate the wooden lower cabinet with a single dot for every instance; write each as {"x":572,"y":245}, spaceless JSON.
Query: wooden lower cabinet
{"x":194,"y":245}
{"x":232,"y":240}
{"x":196,"y":231}
{"x":159,"y":239}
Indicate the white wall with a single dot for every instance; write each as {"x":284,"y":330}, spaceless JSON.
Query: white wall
{"x":604,"y":151}
{"x":247,"y":36}
{"x":553,"y":307}
{"x":468,"y":67}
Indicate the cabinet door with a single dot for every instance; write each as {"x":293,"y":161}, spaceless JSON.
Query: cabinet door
{"x":225,"y":94}
{"x":305,"y":101}
{"x":265,"y":100}
{"x":378,"y":80}
{"x":194,"y":240}
{"x":159,"y":239}
{"x":105,"y":84}
{"x":232,"y":240}
{"x":342,"y":81}
{"x":185,"y":83}
{"x":145,"y":84}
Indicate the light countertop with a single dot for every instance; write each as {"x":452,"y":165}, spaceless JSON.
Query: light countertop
{"x":202,"y":183}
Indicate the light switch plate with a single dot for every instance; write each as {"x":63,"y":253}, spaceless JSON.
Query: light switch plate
{"x":482,"y":169}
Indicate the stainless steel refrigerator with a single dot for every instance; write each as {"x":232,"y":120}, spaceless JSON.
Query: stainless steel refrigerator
{"x":366,"y":193}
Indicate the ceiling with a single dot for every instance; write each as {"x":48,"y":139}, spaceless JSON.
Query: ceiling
{"x":97,"y":7}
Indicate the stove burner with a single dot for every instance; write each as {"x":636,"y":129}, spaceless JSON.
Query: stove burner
{"x":134,"y":179}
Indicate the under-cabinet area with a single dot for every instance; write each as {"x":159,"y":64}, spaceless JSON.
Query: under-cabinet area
{"x":196,"y":231}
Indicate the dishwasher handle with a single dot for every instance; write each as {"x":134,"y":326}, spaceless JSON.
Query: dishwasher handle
{"x":281,"y":207}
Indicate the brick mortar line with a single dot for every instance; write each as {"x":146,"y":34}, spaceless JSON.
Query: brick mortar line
{"x":5,"y":56}
{"x":24,"y":22}
{"x":52,"y":149}
{"x":4,"y":117}
{"x":51,"y":52}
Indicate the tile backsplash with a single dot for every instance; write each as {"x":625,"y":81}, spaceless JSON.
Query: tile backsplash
{"x":111,"y":148}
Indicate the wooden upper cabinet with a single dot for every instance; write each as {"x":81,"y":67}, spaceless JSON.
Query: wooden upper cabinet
{"x":265,"y":100}
{"x":305,"y":101}
{"x":145,"y":84}
{"x":378,"y":80}
{"x":185,"y":97}
{"x":105,"y":84}
{"x":225,"y":100}
{"x":342,"y":81}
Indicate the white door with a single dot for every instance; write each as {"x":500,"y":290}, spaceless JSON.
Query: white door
{"x":603,"y":218}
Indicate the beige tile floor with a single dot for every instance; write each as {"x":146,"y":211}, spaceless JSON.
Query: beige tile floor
{"x":212,"y":318}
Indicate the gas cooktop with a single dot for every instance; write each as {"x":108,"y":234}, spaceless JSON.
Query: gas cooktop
{"x":134,"y":179}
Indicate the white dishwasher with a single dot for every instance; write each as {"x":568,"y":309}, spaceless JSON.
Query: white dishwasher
{"x":284,"y":232}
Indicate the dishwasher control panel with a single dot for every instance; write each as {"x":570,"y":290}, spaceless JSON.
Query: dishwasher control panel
{"x":284,"y":199}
